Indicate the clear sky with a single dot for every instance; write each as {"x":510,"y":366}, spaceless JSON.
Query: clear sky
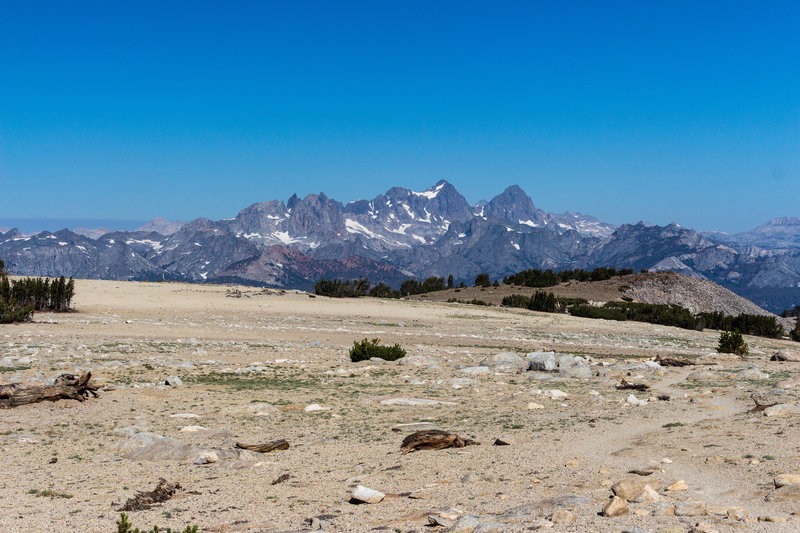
{"x":656,"y":110}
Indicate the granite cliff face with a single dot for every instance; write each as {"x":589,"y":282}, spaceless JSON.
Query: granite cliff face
{"x":405,"y":233}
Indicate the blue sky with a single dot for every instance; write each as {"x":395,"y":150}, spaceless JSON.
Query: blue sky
{"x":662,"y":111}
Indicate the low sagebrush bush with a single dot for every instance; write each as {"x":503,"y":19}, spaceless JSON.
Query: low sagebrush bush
{"x":366,"y":349}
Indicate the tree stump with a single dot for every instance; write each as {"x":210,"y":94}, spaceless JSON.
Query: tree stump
{"x":280,"y":444}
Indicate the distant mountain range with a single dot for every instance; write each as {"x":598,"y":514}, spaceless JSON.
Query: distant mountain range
{"x":404,"y":234}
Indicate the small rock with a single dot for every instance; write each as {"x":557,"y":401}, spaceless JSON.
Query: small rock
{"x":648,"y":495}
{"x":412,"y":402}
{"x":173,"y":381}
{"x":534,"y":405}
{"x":737,"y":513}
{"x":787,"y":493}
{"x":184,"y":415}
{"x":782,"y":409}
{"x":678,"y":486}
{"x":563,"y":516}
{"x":362,"y":494}
{"x":192,"y":429}
{"x":313,"y":407}
{"x":616,"y":507}
{"x":691,"y":508}
{"x":315,"y":344}
{"x":630,"y":488}
{"x":475,"y":371}
{"x":206,"y":458}
{"x":542,"y":361}
{"x":786,"y":355}
{"x":782,"y":480}
{"x":703,"y":527}
{"x":465,"y":524}
{"x":633,"y":400}
{"x":666,"y":461}
{"x":470,"y":478}
{"x":434,"y":520}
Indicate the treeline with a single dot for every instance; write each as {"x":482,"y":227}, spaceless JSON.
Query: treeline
{"x":536,"y":277}
{"x":789,"y":313}
{"x":546,"y":302}
{"x":661,"y":314}
{"x":20,"y":298}
{"x":337,"y":288}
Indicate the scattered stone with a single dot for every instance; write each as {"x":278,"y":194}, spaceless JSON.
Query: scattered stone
{"x":206,"y":458}
{"x":184,"y":415}
{"x":470,"y":477}
{"x":616,"y":507}
{"x":678,"y":486}
{"x":362,"y":494}
{"x":173,"y":381}
{"x":475,"y":371}
{"x":691,"y":508}
{"x":315,"y":344}
{"x":192,"y":429}
{"x":434,"y":520}
{"x":703,"y":527}
{"x":787,"y":355}
{"x":648,"y":495}
{"x":701,"y":375}
{"x":633,"y":400}
{"x":417,"y":361}
{"x":281,"y":479}
{"x":465,"y":524}
{"x":501,"y":442}
{"x":542,"y":361}
{"x":563,"y":516}
{"x":787,"y":493}
{"x":313,"y":408}
{"x":737,"y":513}
{"x":782,"y":480}
{"x":781,"y":409}
{"x":534,"y":405}
{"x":630,"y":488}
{"x":666,"y":461}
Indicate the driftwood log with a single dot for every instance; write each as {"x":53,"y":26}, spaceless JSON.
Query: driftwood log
{"x":763,"y":401}
{"x":627,"y":385}
{"x":280,"y":444}
{"x":433,"y":439}
{"x":65,"y":387}
{"x":673,"y":361}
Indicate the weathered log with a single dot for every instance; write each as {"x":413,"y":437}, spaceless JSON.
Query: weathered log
{"x":145,"y":499}
{"x":763,"y":401}
{"x":280,"y":444}
{"x":65,"y":387}
{"x":433,"y":439}
{"x":673,"y":361}
{"x":627,"y":385}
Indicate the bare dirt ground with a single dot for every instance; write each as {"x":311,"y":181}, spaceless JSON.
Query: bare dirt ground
{"x":251,"y":366}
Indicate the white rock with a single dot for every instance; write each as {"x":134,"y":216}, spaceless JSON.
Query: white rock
{"x":192,"y":429}
{"x":633,"y":400}
{"x":367,"y":495}
{"x":184,"y":415}
{"x":206,"y":458}
{"x":313,"y":407}
{"x":411,"y":402}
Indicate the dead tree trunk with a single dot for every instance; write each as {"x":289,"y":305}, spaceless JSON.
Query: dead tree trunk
{"x":65,"y":387}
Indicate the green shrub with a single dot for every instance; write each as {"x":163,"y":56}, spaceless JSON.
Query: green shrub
{"x":795,"y":333}
{"x":366,"y":349}
{"x":336,"y":288}
{"x":732,"y":342}
{"x":123,"y":526}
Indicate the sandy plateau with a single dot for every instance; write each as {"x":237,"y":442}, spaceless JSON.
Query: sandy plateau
{"x":250,"y":366}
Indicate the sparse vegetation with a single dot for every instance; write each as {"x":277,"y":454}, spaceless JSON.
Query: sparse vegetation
{"x":123,"y":526}
{"x":367,"y":349}
{"x":732,"y":342}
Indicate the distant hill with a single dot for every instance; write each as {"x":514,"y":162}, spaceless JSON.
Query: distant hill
{"x":696,"y":295}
